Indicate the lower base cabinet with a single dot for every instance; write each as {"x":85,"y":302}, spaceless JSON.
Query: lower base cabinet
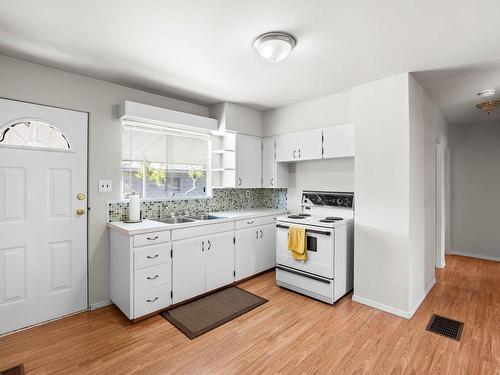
{"x":150,"y":271}
{"x":255,"y":250}
{"x":202,"y":264}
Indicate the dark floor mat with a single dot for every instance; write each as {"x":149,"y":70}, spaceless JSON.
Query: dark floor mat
{"x":18,"y":370}
{"x":206,"y":313}
{"x":445,"y":327}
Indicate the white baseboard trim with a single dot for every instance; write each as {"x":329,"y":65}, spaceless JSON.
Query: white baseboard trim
{"x":380,"y":306}
{"x":474,"y":255}
{"x":422,"y":297}
{"x":98,"y":305}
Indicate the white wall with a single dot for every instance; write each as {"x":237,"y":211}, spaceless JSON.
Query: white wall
{"x":320,"y":112}
{"x":328,"y":174}
{"x":322,"y":175}
{"x":381,"y":191}
{"x":475,"y":186}
{"x":397,"y":126}
{"x":427,"y":127}
{"x":34,"y":83}
{"x":237,"y":118}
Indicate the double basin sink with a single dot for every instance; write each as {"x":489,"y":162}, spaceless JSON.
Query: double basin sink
{"x":187,"y":219}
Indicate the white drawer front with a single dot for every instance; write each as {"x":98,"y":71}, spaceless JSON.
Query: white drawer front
{"x":320,"y":288}
{"x":201,"y":230}
{"x":151,"y":238}
{"x":151,"y":277}
{"x":256,"y":221}
{"x":151,"y":255}
{"x":151,"y":300}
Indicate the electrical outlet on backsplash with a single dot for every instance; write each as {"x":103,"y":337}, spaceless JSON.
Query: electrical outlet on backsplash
{"x":221,"y":200}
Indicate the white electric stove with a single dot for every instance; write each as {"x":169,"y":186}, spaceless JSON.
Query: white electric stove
{"x":327,"y":274}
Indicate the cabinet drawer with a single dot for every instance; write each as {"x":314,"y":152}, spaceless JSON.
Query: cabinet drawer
{"x":201,"y":230}
{"x":151,"y":277}
{"x":151,"y":238}
{"x":255,"y":221}
{"x":151,"y":255}
{"x":151,"y":300}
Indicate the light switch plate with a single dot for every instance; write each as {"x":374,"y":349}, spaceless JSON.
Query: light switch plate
{"x":247,"y":193}
{"x":105,"y":186}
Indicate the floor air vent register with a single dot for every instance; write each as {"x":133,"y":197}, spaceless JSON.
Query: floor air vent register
{"x":445,"y":327}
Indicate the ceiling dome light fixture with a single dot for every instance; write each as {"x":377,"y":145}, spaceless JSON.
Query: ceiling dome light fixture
{"x":274,"y":46}
{"x":490,"y":105}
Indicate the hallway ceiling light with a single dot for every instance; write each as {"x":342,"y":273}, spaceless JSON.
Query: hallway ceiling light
{"x":490,"y":105}
{"x":274,"y":46}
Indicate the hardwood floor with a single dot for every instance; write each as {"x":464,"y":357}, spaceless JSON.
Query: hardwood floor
{"x":290,"y":334}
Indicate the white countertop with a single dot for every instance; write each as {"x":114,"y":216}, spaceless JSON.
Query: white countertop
{"x":147,"y":225}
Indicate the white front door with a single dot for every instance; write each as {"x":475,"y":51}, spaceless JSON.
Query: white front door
{"x":43,"y":207}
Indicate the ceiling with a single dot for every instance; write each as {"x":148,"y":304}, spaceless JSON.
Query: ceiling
{"x":202,"y":50}
{"x":454,"y":90}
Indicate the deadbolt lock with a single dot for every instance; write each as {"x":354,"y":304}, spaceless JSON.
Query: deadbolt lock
{"x":80,"y":196}
{"x":80,"y":211}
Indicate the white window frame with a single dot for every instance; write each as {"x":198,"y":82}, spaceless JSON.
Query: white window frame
{"x":172,"y":132}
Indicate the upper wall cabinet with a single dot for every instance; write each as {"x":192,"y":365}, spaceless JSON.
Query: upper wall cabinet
{"x":338,"y":141}
{"x":299,"y":146}
{"x":274,"y":174}
{"x":236,"y":160}
{"x":248,"y":161}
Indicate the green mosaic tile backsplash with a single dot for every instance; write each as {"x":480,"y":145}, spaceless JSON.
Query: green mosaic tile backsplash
{"x":221,"y":200}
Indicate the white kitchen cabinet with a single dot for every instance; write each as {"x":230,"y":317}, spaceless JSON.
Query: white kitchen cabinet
{"x":236,"y":160}
{"x":286,"y":147}
{"x":188,"y":271}
{"x":338,"y":141}
{"x":274,"y":174}
{"x":306,"y":145}
{"x":140,"y":272}
{"x":151,"y":269}
{"x":219,"y":254}
{"x":248,"y":161}
{"x":266,"y":249}
{"x":202,"y":264}
{"x":255,"y":249}
{"x":309,"y":144}
{"x":245,"y":257}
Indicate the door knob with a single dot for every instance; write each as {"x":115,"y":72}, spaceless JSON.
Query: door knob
{"x":80,"y":196}
{"x":80,"y":211}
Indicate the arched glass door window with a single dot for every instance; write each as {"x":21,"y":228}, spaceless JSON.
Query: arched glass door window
{"x":33,"y":133}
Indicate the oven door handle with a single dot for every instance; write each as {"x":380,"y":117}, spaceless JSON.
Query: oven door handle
{"x":307,"y":230}
{"x":307,"y":275}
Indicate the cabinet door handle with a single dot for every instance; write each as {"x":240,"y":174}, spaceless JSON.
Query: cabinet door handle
{"x":272,"y":181}
{"x":299,"y":153}
{"x":202,"y":245}
{"x":250,"y":222}
{"x":153,"y":257}
{"x":257,"y":234}
{"x":293,"y":154}
{"x":239,"y":181}
{"x":152,"y":278}
{"x":209,"y":245}
{"x":261,"y":233}
{"x":152,"y":300}
{"x":152,"y":238}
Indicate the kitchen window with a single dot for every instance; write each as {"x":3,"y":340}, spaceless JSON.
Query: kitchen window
{"x":164,"y":163}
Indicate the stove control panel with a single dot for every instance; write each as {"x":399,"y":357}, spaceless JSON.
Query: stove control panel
{"x":328,"y":199}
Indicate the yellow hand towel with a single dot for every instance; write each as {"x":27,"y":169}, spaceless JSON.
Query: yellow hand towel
{"x":297,"y":243}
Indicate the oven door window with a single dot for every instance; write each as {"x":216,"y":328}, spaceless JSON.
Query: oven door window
{"x":312,"y":244}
